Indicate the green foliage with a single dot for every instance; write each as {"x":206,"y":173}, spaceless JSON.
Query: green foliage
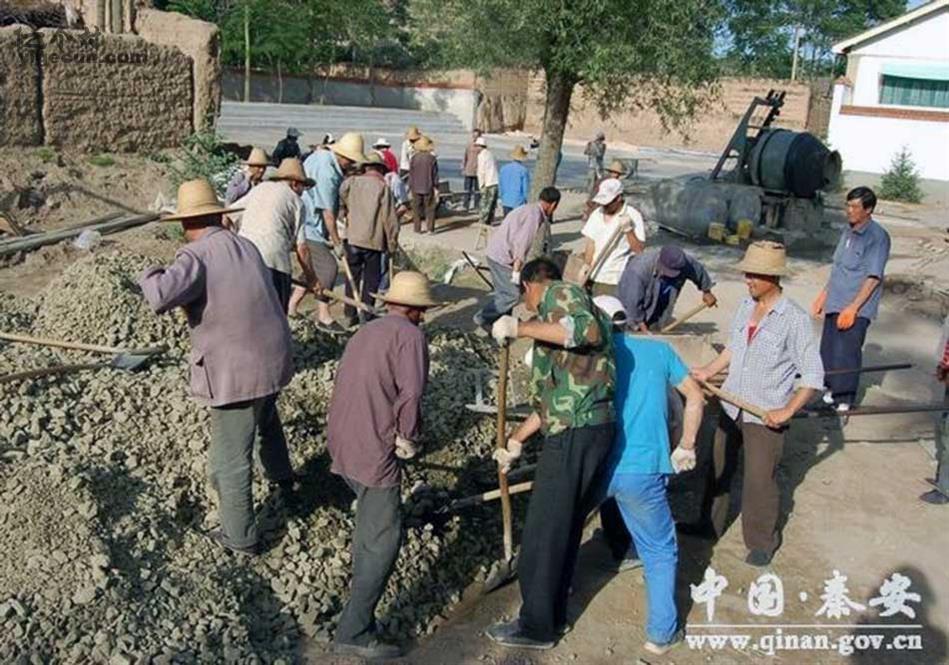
{"x":46,"y":154}
{"x":901,"y":181}
{"x":102,"y":159}
{"x":171,"y":231}
{"x":202,"y":157}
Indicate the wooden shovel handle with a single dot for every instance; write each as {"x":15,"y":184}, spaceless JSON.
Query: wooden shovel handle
{"x":78,"y":346}
{"x":49,"y":371}
{"x":490,"y":495}
{"x":734,"y":400}
{"x":688,"y":315}
{"x":503,"y":489}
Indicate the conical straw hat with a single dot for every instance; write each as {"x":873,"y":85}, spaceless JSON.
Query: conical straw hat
{"x":291,"y":169}
{"x":196,"y":198}
{"x":409,"y":288}
{"x":351,"y":146}
{"x":257,"y":158}
{"x":765,"y":257}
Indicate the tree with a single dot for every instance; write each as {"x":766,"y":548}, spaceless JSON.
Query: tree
{"x":901,"y":181}
{"x":624,"y":53}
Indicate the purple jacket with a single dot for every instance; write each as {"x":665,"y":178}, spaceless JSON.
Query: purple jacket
{"x":240,"y":340}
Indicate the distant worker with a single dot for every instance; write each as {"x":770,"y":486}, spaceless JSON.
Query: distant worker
{"x":524,"y":235}
{"x":384,"y":148}
{"x":287,"y":147}
{"x":240,"y":355}
{"x":614,"y":232}
{"x":652,"y":281}
{"x":487,"y":181}
{"x":423,"y":184}
{"x":408,"y":149}
{"x":374,"y":421}
{"x":939,"y":495}
{"x":595,"y":152}
{"x":469,"y":171}
{"x":615,"y":171}
{"x":851,"y":298}
{"x":771,"y":344}
{"x":248,"y":177}
{"x":514,"y":181}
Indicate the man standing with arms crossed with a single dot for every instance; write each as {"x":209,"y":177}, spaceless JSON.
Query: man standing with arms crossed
{"x":572,"y":379}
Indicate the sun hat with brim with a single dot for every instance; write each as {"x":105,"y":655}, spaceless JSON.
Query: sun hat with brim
{"x":381,"y":143}
{"x":424,"y":144}
{"x":196,"y":198}
{"x":291,"y":169}
{"x":257,"y":157}
{"x":351,"y":146}
{"x":616,"y":166}
{"x":765,"y":257}
{"x":519,"y":153}
{"x":411,"y":289}
{"x":413,"y":134}
{"x":607,"y":192}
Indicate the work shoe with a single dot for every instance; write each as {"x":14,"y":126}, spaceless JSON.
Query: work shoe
{"x":218,"y":538}
{"x":758,"y":558}
{"x":934,"y":497}
{"x":660,"y":648}
{"x":375,"y":650}
{"x":509,"y":634}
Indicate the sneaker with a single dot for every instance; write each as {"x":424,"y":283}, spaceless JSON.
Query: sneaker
{"x":828,"y":398}
{"x":375,"y":650}
{"x":661,"y":648}
{"x":934,"y":497}
{"x":218,"y":538}
{"x":843,"y":407}
{"x":509,"y":634}
{"x":758,"y":558}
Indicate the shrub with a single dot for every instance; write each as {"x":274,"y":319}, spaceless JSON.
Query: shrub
{"x":102,"y":159}
{"x":202,"y":157}
{"x":46,"y":154}
{"x":901,"y":181}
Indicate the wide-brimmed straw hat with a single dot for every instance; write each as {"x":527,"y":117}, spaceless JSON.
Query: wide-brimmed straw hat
{"x":411,"y":289}
{"x":196,"y":198}
{"x":424,"y":144}
{"x":616,"y":166}
{"x":351,"y":146}
{"x":257,"y":157}
{"x":291,"y":169}
{"x":518,"y":153}
{"x":374,"y":159}
{"x":413,"y":134}
{"x":765,"y":257}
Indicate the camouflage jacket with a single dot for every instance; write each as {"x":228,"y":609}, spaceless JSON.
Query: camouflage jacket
{"x":573,"y":387}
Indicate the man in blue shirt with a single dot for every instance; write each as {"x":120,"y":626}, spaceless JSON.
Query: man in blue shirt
{"x":640,"y":462}
{"x":514,"y":181}
{"x":851,"y":298}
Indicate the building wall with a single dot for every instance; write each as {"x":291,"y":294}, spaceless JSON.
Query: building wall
{"x":20,"y":109}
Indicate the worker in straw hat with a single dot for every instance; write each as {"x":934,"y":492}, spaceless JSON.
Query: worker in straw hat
{"x":374,"y":422}
{"x":487,"y":181}
{"x":240,"y":357}
{"x":248,"y":177}
{"x":423,"y":185}
{"x":469,"y":171}
{"x":408,"y":149}
{"x":771,"y":342}
{"x":384,"y":149}
{"x":615,"y":171}
{"x":273,"y":221}
{"x":514,"y":181}
{"x":327,"y":168}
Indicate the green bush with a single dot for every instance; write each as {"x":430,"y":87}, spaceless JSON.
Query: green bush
{"x":202,"y":157}
{"x":46,"y":154}
{"x":901,"y":181}
{"x":102,"y":159}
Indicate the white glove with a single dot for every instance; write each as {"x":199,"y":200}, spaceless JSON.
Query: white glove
{"x":683,"y":459}
{"x":516,"y":277}
{"x":504,"y":328}
{"x":529,"y":357}
{"x":404,"y":449}
{"x":506,"y":457}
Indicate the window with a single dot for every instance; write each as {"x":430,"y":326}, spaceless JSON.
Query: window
{"x":904,"y":91}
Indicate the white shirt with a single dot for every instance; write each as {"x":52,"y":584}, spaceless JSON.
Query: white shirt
{"x":599,"y":229}
{"x":487,"y":169}
{"x":273,"y":221}
{"x":407,"y":151}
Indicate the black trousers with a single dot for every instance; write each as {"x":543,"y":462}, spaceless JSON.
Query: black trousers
{"x":570,"y":465}
{"x":472,"y":192}
{"x":376,"y":542}
{"x":366,"y":266}
{"x":283,"y":284}
{"x":843,"y":349}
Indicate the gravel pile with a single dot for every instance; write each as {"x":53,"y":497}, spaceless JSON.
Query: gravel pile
{"x":105,"y":500}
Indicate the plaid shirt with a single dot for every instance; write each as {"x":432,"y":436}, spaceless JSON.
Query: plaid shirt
{"x":763,"y":370}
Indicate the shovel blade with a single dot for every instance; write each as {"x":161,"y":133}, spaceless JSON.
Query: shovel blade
{"x":130,"y":362}
{"x":502,"y":573}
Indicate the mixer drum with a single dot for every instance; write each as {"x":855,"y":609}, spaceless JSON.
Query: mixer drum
{"x":795,"y":162}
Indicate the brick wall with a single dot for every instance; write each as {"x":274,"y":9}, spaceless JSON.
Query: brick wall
{"x":20,"y":116}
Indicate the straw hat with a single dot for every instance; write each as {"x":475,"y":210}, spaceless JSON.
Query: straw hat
{"x":424,"y":144}
{"x":257,"y":157}
{"x":413,"y":134}
{"x":291,"y":169}
{"x":409,"y":288}
{"x":519,"y":153}
{"x":351,"y":146}
{"x":765,"y":257}
{"x":374,"y":159}
{"x":616,"y":166}
{"x":196,"y":198}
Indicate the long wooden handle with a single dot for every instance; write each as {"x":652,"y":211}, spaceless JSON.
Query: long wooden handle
{"x":688,"y":315}
{"x":326,"y":293}
{"x":49,"y":371}
{"x":349,"y":276}
{"x":490,"y":495}
{"x":78,"y":346}
{"x":600,"y":258}
{"x":503,"y":489}
{"x":734,"y":400}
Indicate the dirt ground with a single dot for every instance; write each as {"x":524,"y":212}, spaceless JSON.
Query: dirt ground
{"x":849,"y":495}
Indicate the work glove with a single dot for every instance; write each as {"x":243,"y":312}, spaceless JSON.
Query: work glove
{"x":817,"y":307}
{"x":404,"y":449}
{"x":504,"y":329}
{"x":847,"y":318}
{"x":506,"y":457}
{"x":683,"y":459}
{"x":516,"y":277}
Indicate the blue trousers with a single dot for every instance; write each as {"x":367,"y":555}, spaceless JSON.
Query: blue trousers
{"x":843,"y":349}
{"x":504,"y":298}
{"x":642,"y":502}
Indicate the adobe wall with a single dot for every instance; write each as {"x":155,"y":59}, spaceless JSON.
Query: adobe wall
{"x":20,"y":112}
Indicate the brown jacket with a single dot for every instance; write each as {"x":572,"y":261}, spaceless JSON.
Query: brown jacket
{"x":469,"y":164}
{"x":372,"y":222}
{"x":423,"y":173}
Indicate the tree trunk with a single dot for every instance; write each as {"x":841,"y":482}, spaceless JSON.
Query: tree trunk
{"x":246,"y":53}
{"x":556,"y":108}
{"x":279,"y":83}
{"x":797,"y":47}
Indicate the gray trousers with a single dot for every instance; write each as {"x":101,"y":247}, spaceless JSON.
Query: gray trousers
{"x":504,"y":297}
{"x":234,"y":430}
{"x":376,"y":543}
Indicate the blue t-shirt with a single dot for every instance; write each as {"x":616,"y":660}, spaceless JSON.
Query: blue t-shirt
{"x":645,"y":368}
{"x":859,"y":255}
{"x":323,"y":168}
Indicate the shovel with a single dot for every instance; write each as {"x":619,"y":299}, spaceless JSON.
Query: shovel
{"x":127,"y":360}
{"x":688,"y":315}
{"x":503,"y":571}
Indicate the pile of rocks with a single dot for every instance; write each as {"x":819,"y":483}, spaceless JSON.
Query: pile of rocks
{"x":105,"y":501}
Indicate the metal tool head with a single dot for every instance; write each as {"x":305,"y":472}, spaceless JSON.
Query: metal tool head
{"x":131,"y":360}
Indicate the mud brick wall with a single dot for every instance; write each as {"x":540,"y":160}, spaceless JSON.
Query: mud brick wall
{"x":20,"y":112}
{"x":115,"y":93}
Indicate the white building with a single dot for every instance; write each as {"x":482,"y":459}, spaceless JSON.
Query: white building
{"x":896,"y":93}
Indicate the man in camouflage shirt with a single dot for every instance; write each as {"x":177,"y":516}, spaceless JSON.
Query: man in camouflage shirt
{"x":573,"y":376}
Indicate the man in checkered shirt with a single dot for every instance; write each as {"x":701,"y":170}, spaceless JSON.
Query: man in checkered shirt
{"x":772,"y":342}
